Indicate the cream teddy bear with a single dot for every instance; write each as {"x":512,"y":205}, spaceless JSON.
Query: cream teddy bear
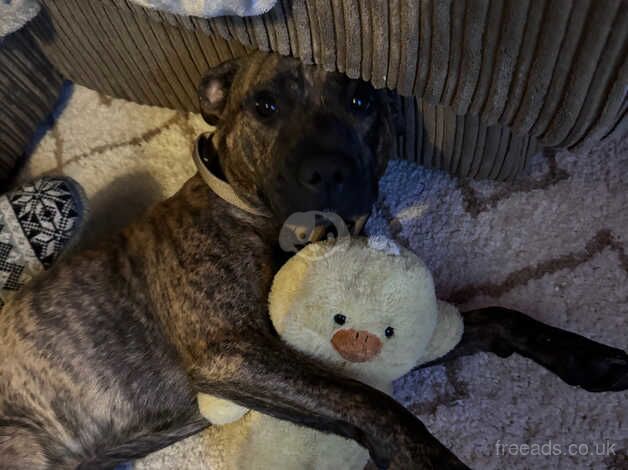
{"x":366,"y":312}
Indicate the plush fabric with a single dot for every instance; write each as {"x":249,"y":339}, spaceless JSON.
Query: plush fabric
{"x":260,"y":442}
{"x":374,"y":289}
{"x":210,"y":8}
{"x":219,"y":411}
{"x":16,"y":13}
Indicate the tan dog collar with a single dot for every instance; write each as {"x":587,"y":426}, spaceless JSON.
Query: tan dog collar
{"x":221,"y":188}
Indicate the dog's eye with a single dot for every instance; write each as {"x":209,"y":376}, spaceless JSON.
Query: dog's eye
{"x":361,"y":99}
{"x":265,"y":104}
{"x":389,"y":331}
{"x":340,"y":318}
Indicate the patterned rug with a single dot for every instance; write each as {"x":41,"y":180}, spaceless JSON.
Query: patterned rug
{"x":553,"y":244}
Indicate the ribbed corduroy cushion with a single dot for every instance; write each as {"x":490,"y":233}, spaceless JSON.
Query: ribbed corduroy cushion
{"x":554,"y":69}
{"x":156,"y":58}
{"x":29,"y":87}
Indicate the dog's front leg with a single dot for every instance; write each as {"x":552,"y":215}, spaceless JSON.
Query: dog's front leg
{"x":575,"y":359}
{"x":260,"y":372}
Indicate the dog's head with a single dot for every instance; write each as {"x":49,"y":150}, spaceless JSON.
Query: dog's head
{"x":294,"y":138}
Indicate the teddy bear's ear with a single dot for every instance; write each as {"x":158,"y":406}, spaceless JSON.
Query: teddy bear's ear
{"x":448,"y":332}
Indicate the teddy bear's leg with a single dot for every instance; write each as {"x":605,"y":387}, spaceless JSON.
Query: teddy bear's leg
{"x":263,"y":373}
{"x":218,"y":411}
{"x":575,"y":359}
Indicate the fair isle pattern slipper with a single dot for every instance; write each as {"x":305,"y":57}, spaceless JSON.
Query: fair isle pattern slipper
{"x":38,"y":221}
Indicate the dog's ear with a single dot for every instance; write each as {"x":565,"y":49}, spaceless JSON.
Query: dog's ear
{"x":390,"y":128}
{"x":214,"y":89}
{"x":395,"y":104}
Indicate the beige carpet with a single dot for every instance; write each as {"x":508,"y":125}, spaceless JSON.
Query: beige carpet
{"x":553,"y":244}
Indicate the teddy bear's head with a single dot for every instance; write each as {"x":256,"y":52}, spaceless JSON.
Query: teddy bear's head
{"x":369,"y":314}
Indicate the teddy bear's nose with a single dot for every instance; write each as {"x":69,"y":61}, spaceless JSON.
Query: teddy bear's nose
{"x":356,"y":346}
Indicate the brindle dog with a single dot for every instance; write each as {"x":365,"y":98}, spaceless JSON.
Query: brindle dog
{"x":101,"y":359}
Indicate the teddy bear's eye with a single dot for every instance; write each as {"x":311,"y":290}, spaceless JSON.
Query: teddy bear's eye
{"x":340,"y":318}
{"x":389,"y":331}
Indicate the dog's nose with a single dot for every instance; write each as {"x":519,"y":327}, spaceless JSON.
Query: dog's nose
{"x":325,"y":173}
{"x":356,"y":346}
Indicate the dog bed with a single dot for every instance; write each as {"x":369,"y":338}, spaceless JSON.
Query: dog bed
{"x":546,"y":71}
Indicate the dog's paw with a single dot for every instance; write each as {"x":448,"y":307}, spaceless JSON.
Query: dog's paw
{"x":603,"y":369}
{"x":577,"y":360}
{"x":582,"y":362}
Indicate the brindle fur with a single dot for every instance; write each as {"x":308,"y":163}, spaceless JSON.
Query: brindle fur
{"x":102,"y":357}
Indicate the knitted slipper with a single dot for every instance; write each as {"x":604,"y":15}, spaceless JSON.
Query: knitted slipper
{"x":38,"y":221}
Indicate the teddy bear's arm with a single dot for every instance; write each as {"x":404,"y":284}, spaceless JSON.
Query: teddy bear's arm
{"x":448,"y":332}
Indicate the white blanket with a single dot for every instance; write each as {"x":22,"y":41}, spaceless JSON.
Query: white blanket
{"x":210,"y":8}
